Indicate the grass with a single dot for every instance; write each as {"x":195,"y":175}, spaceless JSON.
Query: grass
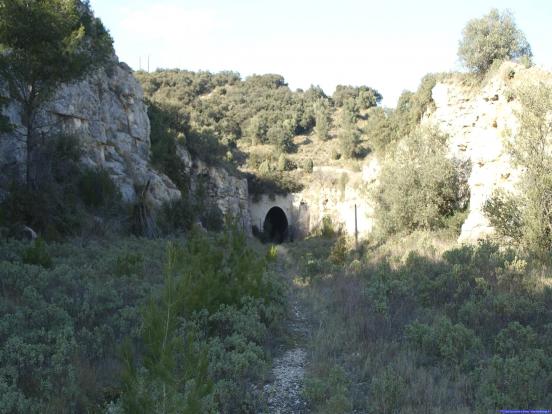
{"x":418,"y":327}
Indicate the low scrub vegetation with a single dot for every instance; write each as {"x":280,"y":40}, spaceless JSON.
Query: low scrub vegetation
{"x":465,"y":331}
{"x":135,"y":324}
{"x":65,"y":199}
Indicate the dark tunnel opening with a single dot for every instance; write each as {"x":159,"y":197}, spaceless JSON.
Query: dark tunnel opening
{"x":275,"y":226}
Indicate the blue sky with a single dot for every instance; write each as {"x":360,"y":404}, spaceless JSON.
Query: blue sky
{"x":386,"y":44}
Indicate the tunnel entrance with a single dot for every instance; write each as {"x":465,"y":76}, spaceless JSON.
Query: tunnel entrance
{"x":275,"y":226}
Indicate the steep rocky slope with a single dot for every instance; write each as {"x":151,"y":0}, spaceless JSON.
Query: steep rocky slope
{"x":108,"y":114}
{"x":479,"y":121}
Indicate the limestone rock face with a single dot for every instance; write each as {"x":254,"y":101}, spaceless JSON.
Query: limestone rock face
{"x":479,"y":123}
{"x":229,"y":193}
{"x":108,"y":114}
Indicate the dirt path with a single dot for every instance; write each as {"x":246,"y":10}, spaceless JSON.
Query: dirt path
{"x":285,"y":393}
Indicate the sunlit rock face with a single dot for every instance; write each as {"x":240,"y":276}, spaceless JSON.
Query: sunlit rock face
{"x":479,"y":122}
{"x":106,"y":111}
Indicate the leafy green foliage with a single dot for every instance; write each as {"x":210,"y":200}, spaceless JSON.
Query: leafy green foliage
{"x":37,"y":254}
{"x":465,"y":332}
{"x":418,"y":185}
{"x":168,"y":126}
{"x":386,"y":127}
{"x":108,"y":301}
{"x":322,"y":120}
{"x":492,"y":37}
{"x":65,"y":197}
{"x":363,"y":97}
{"x":97,"y":189}
{"x":203,"y":336}
{"x":349,"y":133}
{"x":63,"y":312}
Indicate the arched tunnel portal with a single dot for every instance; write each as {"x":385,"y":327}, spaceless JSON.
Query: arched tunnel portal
{"x":275,"y":226}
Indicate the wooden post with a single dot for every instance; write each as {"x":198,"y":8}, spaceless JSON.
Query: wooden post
{"x":356,"y":229}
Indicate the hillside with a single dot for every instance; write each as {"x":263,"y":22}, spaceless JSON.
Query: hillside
{"x":195,"y":242}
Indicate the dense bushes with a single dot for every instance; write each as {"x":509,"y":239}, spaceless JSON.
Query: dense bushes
{"x":387,"y":126}
{"x":202,"y":339}
{"x":66,"y":309}
{"x":493,"y":37}
{"x":64,"y":197}
{"x":467,"y":332}
{"x":225,"y":109}
{"x":418,"y":186}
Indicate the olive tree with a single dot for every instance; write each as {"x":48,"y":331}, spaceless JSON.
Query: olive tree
{"x":494,"y":36}
{"x":44,"y":43}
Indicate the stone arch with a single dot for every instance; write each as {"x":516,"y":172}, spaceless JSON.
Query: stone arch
{"x":276,"y":225}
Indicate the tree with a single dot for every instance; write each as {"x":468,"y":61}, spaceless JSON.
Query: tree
{"x":495,"y":36}
{"x":323,"y":120}
{"x":364,"y":96}
{"x":44,"y":43}
{"x":349,"y":134}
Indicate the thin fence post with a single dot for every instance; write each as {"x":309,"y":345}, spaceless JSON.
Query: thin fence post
{"x":356,"y":230}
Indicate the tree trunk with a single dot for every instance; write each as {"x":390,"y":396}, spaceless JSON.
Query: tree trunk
{"x":28,"y":122}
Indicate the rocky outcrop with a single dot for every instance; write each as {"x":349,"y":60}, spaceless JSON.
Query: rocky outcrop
{"x":479,"y":121}
{"x":229,"y":193}
{"x":106,"y":111}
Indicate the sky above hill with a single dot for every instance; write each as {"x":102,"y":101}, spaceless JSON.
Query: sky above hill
{"x":386,"y":44}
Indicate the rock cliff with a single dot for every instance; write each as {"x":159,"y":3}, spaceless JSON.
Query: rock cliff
{"x":479,"y":121}
{"x":108,"y":114}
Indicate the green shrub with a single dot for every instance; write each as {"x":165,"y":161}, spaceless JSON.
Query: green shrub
{"x":504,"y":215}
{"x":493,"y":37}
{"x":37,"y":254}
{"x":176,"y":216}
{"x":349,"y":135}
{"x":381,"y":128}
{"x":52,"y":206}
{"x":97,"y":189}
{"x":450,"y":344}
{"x":323,"y":120}
{"x":222,"y":271}
{"x":202,"y":338}
{"x":212,"y":218}
{"x":327,"y":229}
{"x":129,"y":264}
{"x":388,"y":391}
{"x":364,"y":97}
{"x":418,"y":187}
{"x":339,"y":251}
{"x":329,"y":392}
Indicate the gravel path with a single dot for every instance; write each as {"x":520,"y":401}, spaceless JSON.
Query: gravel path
{"x":284,"y":395}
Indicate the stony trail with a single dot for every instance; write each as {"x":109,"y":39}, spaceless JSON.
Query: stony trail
{"x":284,"y":394}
